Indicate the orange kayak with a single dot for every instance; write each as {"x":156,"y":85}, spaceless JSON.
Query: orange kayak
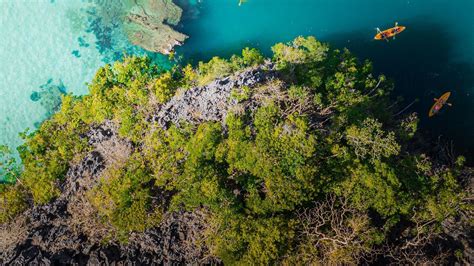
{"x":439,"y":104}
{"x":389,"y":33}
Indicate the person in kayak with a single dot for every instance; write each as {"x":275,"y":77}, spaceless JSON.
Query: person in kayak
{"x":389,"y":33}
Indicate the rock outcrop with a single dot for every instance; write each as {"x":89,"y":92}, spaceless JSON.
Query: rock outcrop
{"x":210,"y":102}
{"x":67,"y":231}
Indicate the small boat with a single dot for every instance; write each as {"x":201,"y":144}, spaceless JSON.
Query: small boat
{"x":389,"y":33}
{"x":439,"y":103}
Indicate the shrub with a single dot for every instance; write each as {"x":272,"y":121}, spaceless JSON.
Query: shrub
{"x":321,"y":127}
{"x":13,"y":200}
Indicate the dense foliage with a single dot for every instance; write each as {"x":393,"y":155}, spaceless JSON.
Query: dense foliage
{"x":322,"y":146}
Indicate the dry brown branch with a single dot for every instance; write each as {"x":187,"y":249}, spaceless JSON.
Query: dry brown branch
{"x":275,"y":91}
{"x":419,"y":241}
{"x":336,"y":231}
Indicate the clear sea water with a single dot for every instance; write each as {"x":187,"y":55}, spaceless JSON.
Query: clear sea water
{"x":48,"y":47}
{"x":36,"y":43}
{"x":435,"y":54}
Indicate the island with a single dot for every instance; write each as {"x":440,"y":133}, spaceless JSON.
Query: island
{"x":301,"y":158}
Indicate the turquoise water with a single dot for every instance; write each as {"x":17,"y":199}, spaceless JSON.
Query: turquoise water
{"x":435,"y":54}
{"x":37,"y":40}
{"x":50,"y":47}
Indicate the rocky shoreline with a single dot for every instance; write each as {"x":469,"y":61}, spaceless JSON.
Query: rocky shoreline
{"x":68,"y":231}
{"x":64,"y":232}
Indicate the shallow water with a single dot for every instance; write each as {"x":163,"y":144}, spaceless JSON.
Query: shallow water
{"x":48,"y":47}
{"x":36,"y":46}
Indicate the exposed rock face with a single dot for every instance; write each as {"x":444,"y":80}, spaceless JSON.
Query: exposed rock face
{"x":67,"y":231}
{"x":210,"y":102}
{"x":55,"y":233}
{"x":48,"y":243}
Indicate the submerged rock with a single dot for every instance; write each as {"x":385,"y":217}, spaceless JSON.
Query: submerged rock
{"x":49,"y":96}
{"x":147,"y":24}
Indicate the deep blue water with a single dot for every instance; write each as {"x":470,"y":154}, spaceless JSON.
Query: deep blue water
{"x":51,"y":47}
{"x":435,"y":54}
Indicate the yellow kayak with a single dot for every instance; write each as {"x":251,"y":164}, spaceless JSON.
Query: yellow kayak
{"x":389,"y":33}
{"x":440,"y":102}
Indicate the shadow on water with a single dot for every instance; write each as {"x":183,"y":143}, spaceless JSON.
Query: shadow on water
{"x":192,"y":50}
{"x":420,"y":61}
